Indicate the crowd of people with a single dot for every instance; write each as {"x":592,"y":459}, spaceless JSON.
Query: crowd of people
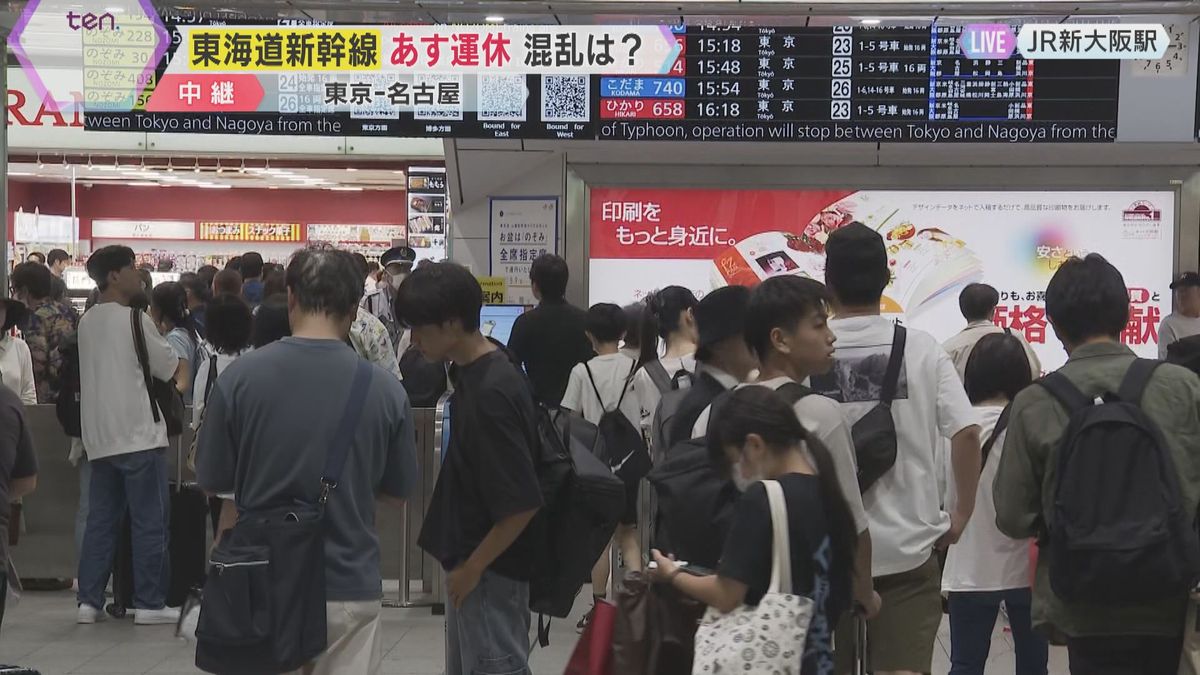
{"x":794,"y":387}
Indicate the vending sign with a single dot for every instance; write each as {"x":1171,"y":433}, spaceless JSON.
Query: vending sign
{"x":644,"y":239}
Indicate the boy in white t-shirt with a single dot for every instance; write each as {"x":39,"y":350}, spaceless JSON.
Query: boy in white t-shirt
{"x":607,"y":383}
{"x":904,"y":505}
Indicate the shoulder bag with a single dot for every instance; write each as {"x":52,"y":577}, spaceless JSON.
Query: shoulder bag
{"x":263,"y":607}
{"x":769,"y":638}
{"x":166,"y":403}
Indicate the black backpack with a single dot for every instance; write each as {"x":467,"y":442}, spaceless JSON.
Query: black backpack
{"x":666,"y":381}
{"x":695,"y":504}
{"x":66,"y":406}
{"x":1119,"y":533}
{"x":619,"y":444}
{"x":424,"y":380}
{"x":875,"y":434}
{"x":581,"y":503}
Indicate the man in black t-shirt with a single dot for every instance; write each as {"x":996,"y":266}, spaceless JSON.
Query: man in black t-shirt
{"x":550,"y":340}
{"x":18,"y":472}
{"x":487,"y":491}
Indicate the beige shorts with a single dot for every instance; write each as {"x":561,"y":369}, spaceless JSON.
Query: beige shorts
{"x":354,"y":647}
{"x":903,"y":635}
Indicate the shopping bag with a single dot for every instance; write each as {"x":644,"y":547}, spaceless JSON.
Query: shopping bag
{"x":1189,"y":661}
{"x":769,"y":638}
{"x":593,"y":652}
{"x":655,"y":629}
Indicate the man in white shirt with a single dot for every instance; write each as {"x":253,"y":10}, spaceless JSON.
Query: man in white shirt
{"x":904,"y":505}
{"x":125,"y":446}
{"x":1185,"y":320}
{"x":977,"y":302}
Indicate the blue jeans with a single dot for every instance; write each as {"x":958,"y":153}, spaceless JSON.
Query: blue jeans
{"x":972,"y":620}
{"x":489,"y":634}
{"x":138,"y":482}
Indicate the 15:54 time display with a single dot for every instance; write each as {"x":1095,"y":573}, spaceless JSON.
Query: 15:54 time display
{"x":717,"y":88}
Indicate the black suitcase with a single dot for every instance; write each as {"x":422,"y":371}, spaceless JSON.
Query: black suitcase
{"x":187,"y":550}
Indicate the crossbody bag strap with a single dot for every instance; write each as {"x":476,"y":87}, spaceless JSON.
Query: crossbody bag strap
{"x":139,"y":347}
{"x":1001,"y":425}
{"x":781,"y":542}
{"x":892,"y":379}
{"x":659,"y":375}
{"x":212,"y":376}
{"x":343,"y":435}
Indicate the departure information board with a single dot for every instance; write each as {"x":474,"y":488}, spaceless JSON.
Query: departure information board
{"x":840,"y":83}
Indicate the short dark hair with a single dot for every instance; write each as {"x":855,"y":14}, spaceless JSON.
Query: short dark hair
{"x":275,"y":282}
{"x":856,"y":265}
{"x":57,"y":255}
{"x":170,"y":299}
{"x":32,"y":278}
{"x":439,"y":293}
{"x":606,"y":322}
{"x":252,"y":265}
{"x":977,"y":302}
{"x":997,"y":366}
{"x":107,"y":260}
{"x":1086,"y":299}
{"x":270,"y":321}
{"x":234,"y":263}
{"x":550,"y":274}
{"x":227,"y":281}
{"x":37,"y":255}
{"x":227,"y":324}
{"x":324,"y":280}
{"x":195,"y":285}
{"x":360,"y":261}
{"x":207,"y":273}
{"x":781,"y":302}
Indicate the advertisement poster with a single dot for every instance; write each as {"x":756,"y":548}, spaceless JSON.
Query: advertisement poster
{"x":522,"y":228}
{"x":644,"y":239}
{"x":428,"y":213}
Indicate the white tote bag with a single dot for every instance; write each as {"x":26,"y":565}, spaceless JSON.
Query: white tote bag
{"x":768,"y":639}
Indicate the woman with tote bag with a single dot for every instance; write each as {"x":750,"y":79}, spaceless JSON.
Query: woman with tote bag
{"x":784,"y":578}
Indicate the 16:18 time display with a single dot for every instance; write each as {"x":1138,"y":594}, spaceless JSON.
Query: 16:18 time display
{"x":711,"y":109}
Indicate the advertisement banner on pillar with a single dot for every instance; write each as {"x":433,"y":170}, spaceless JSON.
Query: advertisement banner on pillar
{"x":937,"y":242}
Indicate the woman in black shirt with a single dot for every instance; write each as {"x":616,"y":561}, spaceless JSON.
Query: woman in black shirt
{"x":755,"y":435}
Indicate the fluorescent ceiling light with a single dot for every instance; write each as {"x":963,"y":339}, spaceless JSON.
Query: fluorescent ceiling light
{"x":871,"y":22}
{"x":351,"y":168}
{"x":21,"y":173}
{"x":346,"y":188}
{"x":214,"y":186}
{"x":495,"y":18}
{"x":142,"y":183}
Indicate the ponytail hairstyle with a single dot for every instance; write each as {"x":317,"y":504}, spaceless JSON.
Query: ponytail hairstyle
{"x":170,"y":298}
{"x":762,"y":411}
{"x":662,"y":316}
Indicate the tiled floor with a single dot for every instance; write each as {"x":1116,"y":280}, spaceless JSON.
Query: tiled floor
{"x":41,"y":633}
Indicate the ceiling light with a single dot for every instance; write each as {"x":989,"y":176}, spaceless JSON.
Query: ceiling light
{"x":142,"y":183}
{"x":871,"y":22}
{"x":214,"y":186}
{"x":21,"y":173}
{"x":243,"y":167}
{"x":494,"y":19}
{"x":351,"y":168}
{"x":170,"y":167}
{"x":41,"y":164}
{"x":346,"y":188}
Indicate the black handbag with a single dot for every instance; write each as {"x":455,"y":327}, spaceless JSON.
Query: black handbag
{"x":263,"y":605}
{"x":166,"y":403}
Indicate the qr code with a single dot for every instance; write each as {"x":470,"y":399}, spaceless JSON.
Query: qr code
{"x":565,"y":98}
{"x":502,"y":98}
{"x":447,"y":101}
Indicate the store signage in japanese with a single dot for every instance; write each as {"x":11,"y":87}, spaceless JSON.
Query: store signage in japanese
{"x":231,"y":231}
{"x":103,"y":228}
{"x":521,"y":229}
{"x":428,"y":212}
{"x":937,"y":242}
{"x":495,"y":290}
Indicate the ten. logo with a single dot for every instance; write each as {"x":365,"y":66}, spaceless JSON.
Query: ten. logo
{"x":91,"y":21}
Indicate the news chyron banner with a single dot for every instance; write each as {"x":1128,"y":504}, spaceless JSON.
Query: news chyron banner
{"x":937,"y":242}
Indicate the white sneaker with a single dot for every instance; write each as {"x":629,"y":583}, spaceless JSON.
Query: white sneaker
{"x":156,"y":617}
{"x":89,"y":614}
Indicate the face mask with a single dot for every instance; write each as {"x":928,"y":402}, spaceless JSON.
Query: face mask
{"x":739,"y":478}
